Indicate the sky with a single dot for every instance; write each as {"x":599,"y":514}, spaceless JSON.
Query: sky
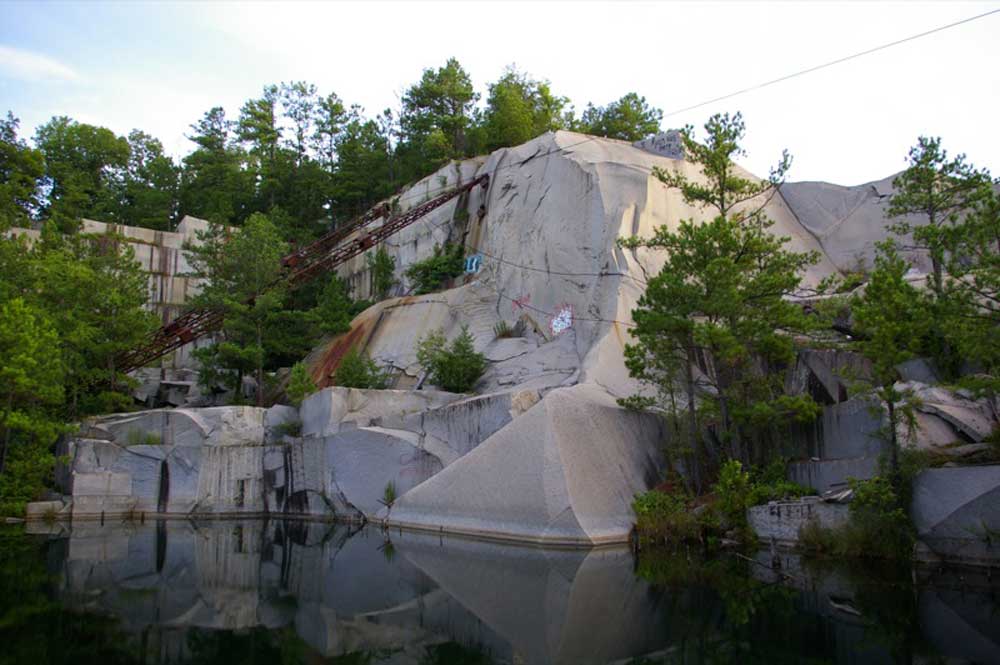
{"x":158,"y":66}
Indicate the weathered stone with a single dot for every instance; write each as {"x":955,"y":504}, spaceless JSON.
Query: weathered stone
{"x":956,"y":511}
{"x":564,"y":472}
{"x":782,"y":520}
{"x":918,"y":369}
{"x":102,"y":483}
{"x":823,"y":475}
{"x":363,"y":463}
{"x":43,"y":510}
{"x":972,"y":418}
{"x":276,"y":417}
{"x":323,"y":413}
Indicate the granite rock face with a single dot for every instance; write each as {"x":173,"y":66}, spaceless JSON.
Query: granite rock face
{"x":956,"y":511}
{"x":564,"y":472}
{"x":560,"y":469}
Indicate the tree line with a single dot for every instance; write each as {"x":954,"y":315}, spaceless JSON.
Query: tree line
{"x":304,"y":158}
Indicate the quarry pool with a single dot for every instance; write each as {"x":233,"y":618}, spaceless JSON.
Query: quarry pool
{"x":292,"y":591}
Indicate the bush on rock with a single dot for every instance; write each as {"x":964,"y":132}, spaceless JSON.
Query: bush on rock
{"x":359,"y":371}
{"x":453,"y":367}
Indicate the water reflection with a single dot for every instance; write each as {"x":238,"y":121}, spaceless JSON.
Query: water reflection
{"x":308,"y":592}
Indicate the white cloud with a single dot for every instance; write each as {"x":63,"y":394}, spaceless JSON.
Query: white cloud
{"x":33,"y":66}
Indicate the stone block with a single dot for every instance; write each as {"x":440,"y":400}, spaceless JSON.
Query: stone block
{"x":957,"y":502}
{"x":102,"y":483}
{"x":363,"y":462}
{"x":323,"y":413}
{"x":274,"y":418}
{"x":782,"y":520}
{"x":564,"y":472}
{"x":823,"y":475}
{"x":43,"y":510}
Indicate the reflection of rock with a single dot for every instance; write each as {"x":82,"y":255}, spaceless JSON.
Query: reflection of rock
{"x":356,"y":593}
{"x":345,"y":594}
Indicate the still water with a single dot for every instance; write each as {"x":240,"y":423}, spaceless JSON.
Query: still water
{"x":297,"y":592}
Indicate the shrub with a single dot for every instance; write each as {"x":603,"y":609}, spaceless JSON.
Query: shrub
{"x":455,"y":367}
{"x":382,"y":268}
{"x":665,"y":517}
{"x":388,"y":494}
{"x":289,"y":428}
{"x":431,"y":273}
{"x":733,"y":490}
{"x":359,"y":371}
{"x":502,"y":329}
{"x":137,"y":437}
{"x":878,"y":529}
{"x":300,"y":384}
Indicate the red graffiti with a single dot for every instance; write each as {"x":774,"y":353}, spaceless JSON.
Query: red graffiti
{"x":520,"y":303}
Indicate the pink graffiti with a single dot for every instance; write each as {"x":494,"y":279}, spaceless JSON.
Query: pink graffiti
{"x":520,"y":303}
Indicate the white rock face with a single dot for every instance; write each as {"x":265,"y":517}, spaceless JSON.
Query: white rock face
{"x":542,"y":452}
{"x":563,"y":472}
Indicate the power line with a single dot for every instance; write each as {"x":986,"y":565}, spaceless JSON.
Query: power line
{"x":831,"y":63}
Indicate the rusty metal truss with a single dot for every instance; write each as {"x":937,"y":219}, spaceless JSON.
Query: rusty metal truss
{"x":298,"y":268}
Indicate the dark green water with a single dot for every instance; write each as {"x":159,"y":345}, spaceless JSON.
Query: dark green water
{"x":295,"y":592}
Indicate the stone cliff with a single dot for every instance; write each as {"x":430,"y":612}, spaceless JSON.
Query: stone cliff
{"x":542,"y":452}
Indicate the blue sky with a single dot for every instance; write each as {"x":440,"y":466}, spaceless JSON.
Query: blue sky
{"x":159,"y":66}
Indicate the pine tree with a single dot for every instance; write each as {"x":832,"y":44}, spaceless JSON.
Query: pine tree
{"x":721,"y":297}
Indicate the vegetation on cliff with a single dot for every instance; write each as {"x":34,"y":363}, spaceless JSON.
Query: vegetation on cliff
{"x":304,"y":158}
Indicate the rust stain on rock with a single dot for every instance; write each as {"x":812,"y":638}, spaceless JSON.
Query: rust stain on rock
{"x":335,"y":351}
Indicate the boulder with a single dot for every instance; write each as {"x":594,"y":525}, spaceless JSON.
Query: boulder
{"x":453,"y":430}
{"x":324,"y":413}
{"x":363,"y":463}
{"x":563,"y":472}
{"x":972,"y":418}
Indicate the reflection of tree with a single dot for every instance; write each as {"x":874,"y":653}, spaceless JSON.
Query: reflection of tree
{"x":720,"y":613}
{"x":36,"y":629}
{"x":453,"y":653}
{"x":884,"y":594}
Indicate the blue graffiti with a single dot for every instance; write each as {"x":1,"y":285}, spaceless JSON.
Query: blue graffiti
{"x":473,"y":264}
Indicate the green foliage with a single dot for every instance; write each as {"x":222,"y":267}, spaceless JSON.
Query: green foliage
{"x":358,"y":371}
{"x":722,"y":296}
{"x":502,"y":329}
{"x":31,"y":374}
{"x":892,"y":317}
{"x":431,"y":274}
{"x":939,"y":189}
{"x":214,"y":185}
{"x":82,"y":162}
{"x":21,"y":170}
{"x":436,"y":117}
{"x":636,"y":402}
{"x":519,"y":108}
{"x":629,"y":119}
{"x":239,"y":271}
{"x":453,"y":367}
{"x":733,"y":490}
{"x":663,"y":517}
{"x":291,"y":428}
{"x":382,"y":267}
{"x":300,"y":384}
{"x":388,"y":494}
{"x":879,"y":527}
{"x":138,"y":437}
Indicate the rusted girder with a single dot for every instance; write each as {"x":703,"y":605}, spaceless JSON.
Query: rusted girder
{"x":299,"y":267}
